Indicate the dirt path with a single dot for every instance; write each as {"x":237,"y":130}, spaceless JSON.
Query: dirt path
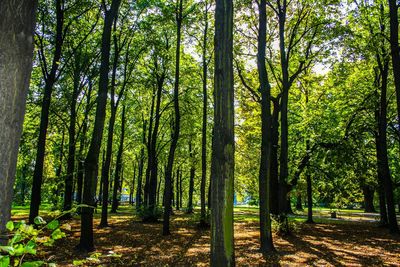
{"x":131,"y":243}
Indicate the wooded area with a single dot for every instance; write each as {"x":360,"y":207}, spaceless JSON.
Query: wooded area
{"x":199,"y":133}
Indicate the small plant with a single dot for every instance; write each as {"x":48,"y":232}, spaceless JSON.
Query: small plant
{"x":25,"y":240}
{"x":150,"y":215}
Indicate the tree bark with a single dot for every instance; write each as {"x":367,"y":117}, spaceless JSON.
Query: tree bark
{"x":265,"y":162}
{"x":223,"y":149}
{"x":368,"y":192}
{"x":191,"y":180}
{"x":91,"y":163}
{"x":309,"y":199}
{"x":17,"y":23}
{"x":140,"y":169}
{"x":50,"y":80}
{"x":116,"y":192}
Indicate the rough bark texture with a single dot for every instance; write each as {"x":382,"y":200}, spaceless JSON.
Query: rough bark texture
{"x":309,"y":199}
{"x":265,"y":162}
{"x":223,"y":149}
{"x":91,"y":163}
{"x":50,"y":79}
{"x":17,"y":23}
{"x":368,"y":193}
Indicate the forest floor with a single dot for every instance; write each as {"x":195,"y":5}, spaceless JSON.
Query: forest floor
{"x":129,"y":242}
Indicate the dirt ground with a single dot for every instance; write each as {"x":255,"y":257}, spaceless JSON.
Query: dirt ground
{"x":129,"y":242}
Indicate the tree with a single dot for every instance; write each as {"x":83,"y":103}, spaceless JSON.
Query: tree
{"x":223,"y":148}
{"x":17,"y":23}
{"x":91,"y":163}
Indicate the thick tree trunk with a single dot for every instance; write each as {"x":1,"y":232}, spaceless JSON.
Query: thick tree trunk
{"x":274,"y":167}
{"x":223,"y":149}
{"x":265,"y":162}
{"x":116,"y":193}
{"x":368,"y":192}
{"x":50,"y":80}
{"x":17,"y":23}
{"x":395,"y":51}
{"x":91,"y":163}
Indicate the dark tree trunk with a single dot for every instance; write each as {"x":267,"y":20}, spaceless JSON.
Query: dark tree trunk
{"x":299,"y":204}
{"x":91,"y":163}
{"x":382,"y":152}
{"x":17,"y":24}
{"x":267,"y":245}
{"x":223,"y":149}
{"x":56,"y":189}
{"x":81,"y":166}
{"x":274,"y":177}
{"x":368,"y":192}
{"x":69,"y":177}
{"x":101,"y":178}
{"x":50,"y":80}
{"x":116,"y":193}
{"x":191,"y":180}
{"x":176,"y":127}
{"x":395,"y":51}
{"x":177,"y":189}
{"x":309,"y":199}
{"x":203,"y":222}
{"x":140,"y":169}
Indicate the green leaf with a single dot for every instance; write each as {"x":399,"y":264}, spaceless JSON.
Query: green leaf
{"x":32,"y":264}
{"x":8,"y":249}
{"x":57,"y":234}
{"x":4,"y":261}
{"x":53,"y":225}
{"x":39,"y":221}
{"x":10,"y":226}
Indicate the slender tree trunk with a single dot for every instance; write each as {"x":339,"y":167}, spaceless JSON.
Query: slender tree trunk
{"x":203,"y":222}
{"x":69,"y":178}
{"x":309,"y":199}
{"x":191,"y":179}
{"x":17,"y":23}
{"x":177,"y":120}
{"x":299,"y":204}
{"x":50,"y":80}
{"x":274,"y":167}
{"x":222,"y":166}
{"x":177,"y":189}
{"x":265,"y":162}
{"x":91,"y":163}
{"x":140,"y":169}
{"x":117,"y":195}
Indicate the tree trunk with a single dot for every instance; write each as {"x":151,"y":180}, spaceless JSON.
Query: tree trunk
{"x":395,"y":51}
{"x":176,"y":127}
{"x":265,"y":162}
{"x":177,"y":189}
{"x":299,"y":204}
{"x":117,"y":194}
{"x":368,"y":192}
{"x":91,"y":163}
{"x":140,"y":169}
{"x":274,"y":167}
{"x":223,"y":149}
{"x":17,"y":23}
{"x":203,"y":222}
{"x":191,"y":180}
{"x":50,"y":80}
{"x":309,"y":199}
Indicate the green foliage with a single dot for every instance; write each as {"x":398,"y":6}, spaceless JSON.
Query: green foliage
{"x":150,"y":215}
{"x":25,"y":240}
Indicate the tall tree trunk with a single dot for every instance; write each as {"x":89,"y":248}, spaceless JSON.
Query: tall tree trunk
{"x":117,"y":195}
{"x":140,"y":169}
{"x":17,"y":23}
{"x":274,"y":167}
{"x":299,"y":204}
{"x":91,"y":163}
{"x":265,"y":162}
{"x":395,"y":50}
{"x":382,"y":152}
{"x":69,"y":177}
{"x":203,"y":222}
{"x":176,"y":127}
{"x":309,"y":199}
{"x":223,"y":149}
{"x":191,"y":179}
{"x":50,"y":80}
{"x":82,"y":146}
{"x":56,"y":189}
{"x":177,"y":189}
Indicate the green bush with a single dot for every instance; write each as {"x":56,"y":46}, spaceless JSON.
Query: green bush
{"x":150,"y":214}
